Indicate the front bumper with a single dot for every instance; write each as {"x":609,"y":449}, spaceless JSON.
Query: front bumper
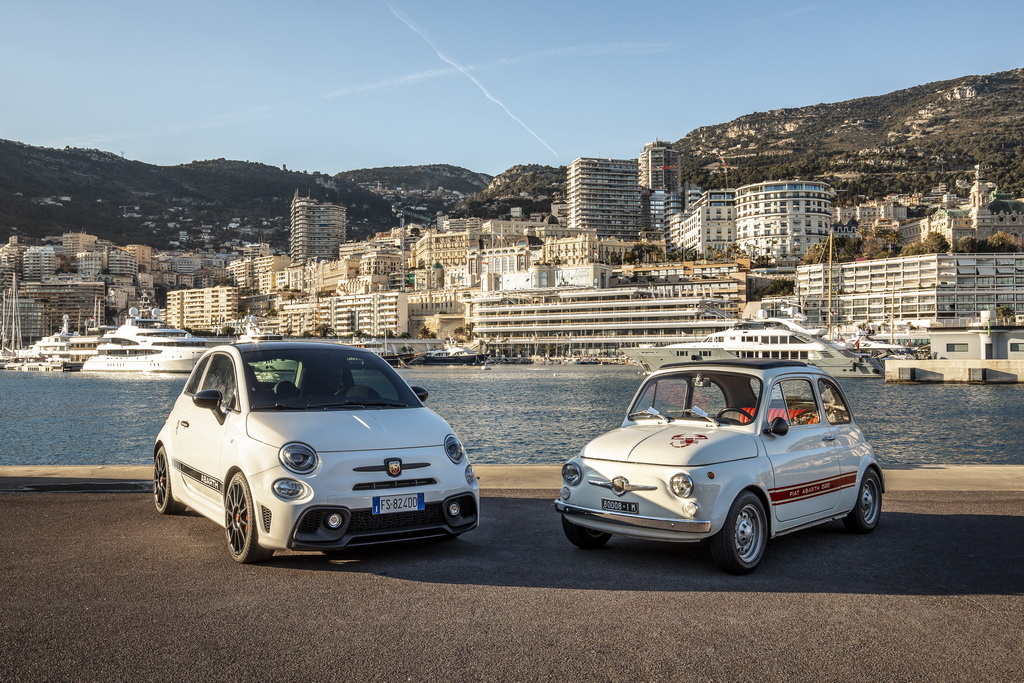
{"x":615,"y":522}
{"x":362,"y":527}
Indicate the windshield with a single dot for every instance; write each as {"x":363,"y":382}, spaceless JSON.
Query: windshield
{"x":295,"y":378}
{"x":729,"y":398}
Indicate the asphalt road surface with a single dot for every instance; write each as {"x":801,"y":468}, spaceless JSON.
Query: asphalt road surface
{"x":97,"y":586}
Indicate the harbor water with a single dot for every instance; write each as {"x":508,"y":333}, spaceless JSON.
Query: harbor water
{"x":511,"y":414}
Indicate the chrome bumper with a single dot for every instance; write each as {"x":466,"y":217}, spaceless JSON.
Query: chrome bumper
{"x":660,"y":523}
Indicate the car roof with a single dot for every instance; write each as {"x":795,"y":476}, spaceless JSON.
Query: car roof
{"x":762,"y":364}
{"x":243,"y":347}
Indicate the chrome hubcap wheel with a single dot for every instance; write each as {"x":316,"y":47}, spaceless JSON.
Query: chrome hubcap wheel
{"x":749,"y":533}
{"x":869,"y":501}
{"x":237,"y":518}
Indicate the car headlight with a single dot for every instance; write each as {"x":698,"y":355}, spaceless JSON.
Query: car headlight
{"x":681,"y":484}
{"x":470,"y":475}
{"x":453,"y":448}
{"x":298,"y":457}
{"x":288,"y":489}
{"x":571,"y":473}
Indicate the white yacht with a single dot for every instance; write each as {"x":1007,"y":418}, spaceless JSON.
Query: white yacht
{"x":778,"y":338}
{"x":146,"y":345}
{"x":65,"y":350}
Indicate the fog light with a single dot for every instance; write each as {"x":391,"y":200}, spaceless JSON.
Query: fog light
{"x":564,"y":493}
{"x":690,"y":508}
{"x":454,"y":508}
{"x":288,"y":489}
{"x":470,"y":475}
{"x":334,"y":520}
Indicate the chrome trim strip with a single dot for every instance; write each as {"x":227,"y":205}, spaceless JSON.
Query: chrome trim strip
{"x":620,"y":485}
{"x":685,"y":525}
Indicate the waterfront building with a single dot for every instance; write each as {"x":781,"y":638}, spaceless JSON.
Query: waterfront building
{"x":727,"y":282}
{"x":317,"y":229}
{"x":369,"y":314}
{"x":709,"y":224}
{"x":39,"y":263}
{"x":911,"y":290}
{"x":604,"y":195}
{"x":570,"y":321}
{"x":782,"y":218}
{"x":201,"y":309}
{"x":57,"y":297}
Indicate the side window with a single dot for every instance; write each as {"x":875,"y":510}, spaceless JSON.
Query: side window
{"x":197,"y":374}
{"x":832,"y":401}
{"x":221,"y":377}
{"x":793,"y":400}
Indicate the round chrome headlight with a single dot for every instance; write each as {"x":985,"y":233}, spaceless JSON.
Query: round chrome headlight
{"x":571,"y":473}
{"x":453,"y":448}
{"x":681,"y":484}
{"x":298,"y":458}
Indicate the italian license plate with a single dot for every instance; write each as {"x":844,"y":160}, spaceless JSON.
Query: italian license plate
{"x":383,"y":505}
{"x":620,"y":506}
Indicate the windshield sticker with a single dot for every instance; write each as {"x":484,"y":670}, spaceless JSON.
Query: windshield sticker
{"x":682,"y":440}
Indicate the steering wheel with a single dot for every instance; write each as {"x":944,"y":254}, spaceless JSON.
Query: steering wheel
{"x":741,"y":411}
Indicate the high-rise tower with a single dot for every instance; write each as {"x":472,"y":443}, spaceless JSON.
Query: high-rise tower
{"x":316,"y":229}
{"x":604,"y":195}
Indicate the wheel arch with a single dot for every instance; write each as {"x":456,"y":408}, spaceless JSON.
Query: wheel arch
{"x":873,"y":467}
{"x":766,"y":502}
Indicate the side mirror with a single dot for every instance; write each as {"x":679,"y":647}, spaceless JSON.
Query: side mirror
{"x":421,"y":393}
{"x":208,"y":398}
{"x":778,"y":427}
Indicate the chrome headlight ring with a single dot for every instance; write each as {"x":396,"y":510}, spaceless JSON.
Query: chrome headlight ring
{"x":299,"y":458}
{"x":572,"y":474}
{"x":681,"y":485}
{"x":453,"y":449}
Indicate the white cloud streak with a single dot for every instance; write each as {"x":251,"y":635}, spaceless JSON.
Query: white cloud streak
{"x":465,"y":72}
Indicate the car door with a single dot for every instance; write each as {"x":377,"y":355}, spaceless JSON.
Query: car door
{"x":200,"y":432}
{"x":804,"y":460}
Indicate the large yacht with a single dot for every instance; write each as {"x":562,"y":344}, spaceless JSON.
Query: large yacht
{"x":146,"y":344}
{"x":779,"y":338}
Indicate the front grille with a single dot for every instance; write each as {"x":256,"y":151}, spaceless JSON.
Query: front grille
{"x":393,"y":484}
{"x":267,"y":515}
{"x":364,"y":521}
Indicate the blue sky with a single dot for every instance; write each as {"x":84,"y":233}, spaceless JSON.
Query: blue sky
{"x":333,"y":85}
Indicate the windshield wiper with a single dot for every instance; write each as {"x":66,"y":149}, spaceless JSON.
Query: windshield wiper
{"x":649,"y":412}
{"x":699,"y":412}
{"x":358,"y":404}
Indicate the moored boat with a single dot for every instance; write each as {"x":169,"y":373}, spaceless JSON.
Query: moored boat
{"x":146,"y":344}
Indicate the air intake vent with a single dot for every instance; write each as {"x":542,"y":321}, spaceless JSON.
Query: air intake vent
{"x":393,"y":484}
{"x":267,"y":515}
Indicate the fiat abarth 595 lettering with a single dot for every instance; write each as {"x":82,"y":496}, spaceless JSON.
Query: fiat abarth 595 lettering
{"x":733,"y":451}
{"x":310,"y":446}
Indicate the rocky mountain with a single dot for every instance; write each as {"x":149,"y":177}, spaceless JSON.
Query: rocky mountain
{"x":530,"y":186}
{"x":905,"y":140}
{"x":426,"y":178}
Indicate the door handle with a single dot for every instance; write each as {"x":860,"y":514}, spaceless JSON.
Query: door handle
{"x":825,"y":438}
{"x":183,"y":423}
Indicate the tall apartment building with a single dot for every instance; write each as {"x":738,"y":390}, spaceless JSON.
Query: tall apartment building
{"x":659,"y":167}
{"x":710,"y":223}
{"x":604,"y":195}
{"x":316,"y":229}
{"x":206,"y":309}
{"x":779,"y":218}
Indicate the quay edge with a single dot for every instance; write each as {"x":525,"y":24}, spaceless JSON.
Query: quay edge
{"x":96,"y":478}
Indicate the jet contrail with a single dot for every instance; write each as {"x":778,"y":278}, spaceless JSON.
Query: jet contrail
{"x":465,"y":72}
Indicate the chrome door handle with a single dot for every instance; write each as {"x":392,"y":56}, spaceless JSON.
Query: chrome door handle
{"x":184,"y":423}
{"x":826,"y":438}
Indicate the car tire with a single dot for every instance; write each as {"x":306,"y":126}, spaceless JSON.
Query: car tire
{"x":582,"y":537}
{"x":163,"y":497}
{"x":867,"y":511}
{"x":240,"y":523}
{"x":740,"y":545}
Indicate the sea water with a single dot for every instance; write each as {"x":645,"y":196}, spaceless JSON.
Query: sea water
{"x":529,"y":414}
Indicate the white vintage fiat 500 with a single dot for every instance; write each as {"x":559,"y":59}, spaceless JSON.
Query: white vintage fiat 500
{"x":310,"y":446}
{"x":734,"y":451}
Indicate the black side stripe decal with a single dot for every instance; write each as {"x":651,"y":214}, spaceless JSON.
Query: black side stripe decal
{"x":203,"y":478}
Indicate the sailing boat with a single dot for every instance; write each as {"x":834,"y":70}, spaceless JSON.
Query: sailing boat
{"x":10,"y":324}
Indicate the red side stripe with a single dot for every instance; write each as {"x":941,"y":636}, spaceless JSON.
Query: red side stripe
{"x":812,"y":489}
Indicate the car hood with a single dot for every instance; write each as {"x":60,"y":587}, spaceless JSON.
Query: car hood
{"x":673,"y":444}
{"x":346,"y":430}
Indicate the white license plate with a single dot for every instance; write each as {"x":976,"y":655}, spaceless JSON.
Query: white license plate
{"x":382,"y":505}
{"x":620,"y":506}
